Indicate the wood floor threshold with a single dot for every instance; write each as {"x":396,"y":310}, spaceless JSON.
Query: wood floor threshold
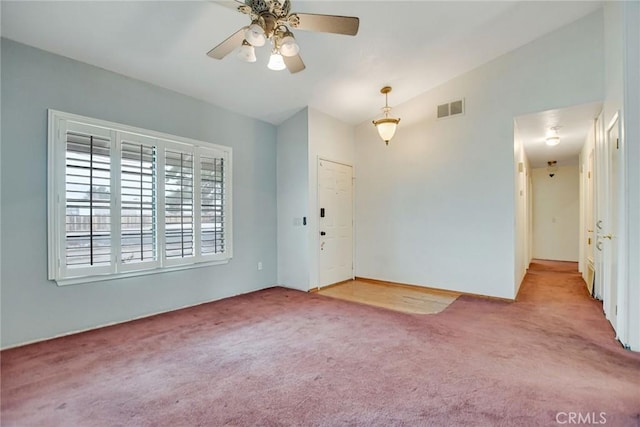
{"x":431,"y":290}
{"x":318,"y":289}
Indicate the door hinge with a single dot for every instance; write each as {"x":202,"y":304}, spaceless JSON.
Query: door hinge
{"x":617,"y":143}
{"x":616,"y":310}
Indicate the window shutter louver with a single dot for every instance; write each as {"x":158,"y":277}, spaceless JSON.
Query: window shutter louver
{"x":212,"y":193}
{"x":88,"y":201}
{"x":178,"y":189}
{"x":138,"y":213}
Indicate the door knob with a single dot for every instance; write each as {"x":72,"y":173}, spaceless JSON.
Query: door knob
{"x":607,"y":236}
{"x":322,"y":233}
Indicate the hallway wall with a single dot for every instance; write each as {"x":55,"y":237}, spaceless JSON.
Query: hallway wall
{"x":522,"y":195}
{"x":556,"y":214}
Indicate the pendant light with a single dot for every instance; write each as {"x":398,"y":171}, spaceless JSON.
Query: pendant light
{"x":387,"y":125}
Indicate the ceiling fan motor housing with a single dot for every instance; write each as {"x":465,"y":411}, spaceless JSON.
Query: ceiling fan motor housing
{"x":279,"y":9}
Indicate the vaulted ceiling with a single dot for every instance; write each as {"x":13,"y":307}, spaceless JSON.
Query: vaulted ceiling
{"x":412,"y":46}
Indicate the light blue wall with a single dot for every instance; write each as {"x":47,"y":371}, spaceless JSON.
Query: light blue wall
{"x":34,"y":308}
{"x":293,"y":195}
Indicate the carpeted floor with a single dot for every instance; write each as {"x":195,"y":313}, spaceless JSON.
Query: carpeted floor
{"x":282,"y":357}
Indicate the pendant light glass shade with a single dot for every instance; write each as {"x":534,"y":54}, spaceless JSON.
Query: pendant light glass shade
{"x":276,"y":62}
{"x":255,"y":35}
{"x":386,"y":126}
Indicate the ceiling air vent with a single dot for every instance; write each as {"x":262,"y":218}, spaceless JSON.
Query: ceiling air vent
{"x":454,"y":108}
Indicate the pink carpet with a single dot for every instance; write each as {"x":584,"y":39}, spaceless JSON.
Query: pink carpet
{"x":283,"y":357}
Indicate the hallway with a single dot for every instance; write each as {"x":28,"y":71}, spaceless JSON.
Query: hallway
{"x":553,"y":282}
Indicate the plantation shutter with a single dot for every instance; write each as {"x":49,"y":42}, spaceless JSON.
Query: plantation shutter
{"x":87,"y":244}
{"x":212,"y":203}
{"x":138,"y":212}
{"x":124,"y":202}
{"x":179,"y":206}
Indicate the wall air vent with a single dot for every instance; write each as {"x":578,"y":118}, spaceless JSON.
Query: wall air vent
{"x":454,"y":108}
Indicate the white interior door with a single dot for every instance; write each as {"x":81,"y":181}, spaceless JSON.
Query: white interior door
{"x":606,"y":226}
{"x":590,"y":205}
{"x":335,"y":222}
{"x":601,"y":200}
{"x":610,"y":226}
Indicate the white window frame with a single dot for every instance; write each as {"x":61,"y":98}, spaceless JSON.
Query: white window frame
{"x":56,"y":203}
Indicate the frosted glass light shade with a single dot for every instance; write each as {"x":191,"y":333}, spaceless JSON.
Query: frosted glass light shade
{"x":276,"y":62}
{"x":247,"y":53}
{"x":255,"y":35}
{"x":553,"y":140}
{"x":288,"y":46}
{"x":386,"y":128}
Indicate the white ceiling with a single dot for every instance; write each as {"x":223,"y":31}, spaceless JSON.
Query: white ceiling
{"x":574,"y":124}
{"x":413,"y":46}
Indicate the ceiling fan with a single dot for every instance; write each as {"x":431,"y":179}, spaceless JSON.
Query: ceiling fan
{"x":271,"y":21}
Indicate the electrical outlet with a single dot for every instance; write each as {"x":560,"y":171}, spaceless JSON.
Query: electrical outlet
{"x":260,"y":265}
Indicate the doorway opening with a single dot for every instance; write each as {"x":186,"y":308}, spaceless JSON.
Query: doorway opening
{"x":555,"y":188}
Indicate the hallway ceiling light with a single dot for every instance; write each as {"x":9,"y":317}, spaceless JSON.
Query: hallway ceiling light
{"x":553,"y":140}
{"x":387,"y":125}
{"x":552,"y":137}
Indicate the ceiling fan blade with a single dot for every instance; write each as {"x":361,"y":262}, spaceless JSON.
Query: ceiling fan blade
{"x":227,"y":46}
{"x":294,"y":63}
{"x":347,"y":25}
{"x":236,"y":5}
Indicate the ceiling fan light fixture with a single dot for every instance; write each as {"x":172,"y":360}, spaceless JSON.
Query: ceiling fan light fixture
{"x":246,"y":52}
{"x":288,"y":45}
{"x":276,"y":62}
{"x":255,"y":35}
{"x":386,"y":126}
{"x":271,"y":21}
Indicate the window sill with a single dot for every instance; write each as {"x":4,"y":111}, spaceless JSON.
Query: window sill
{"x":114,"y":276}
